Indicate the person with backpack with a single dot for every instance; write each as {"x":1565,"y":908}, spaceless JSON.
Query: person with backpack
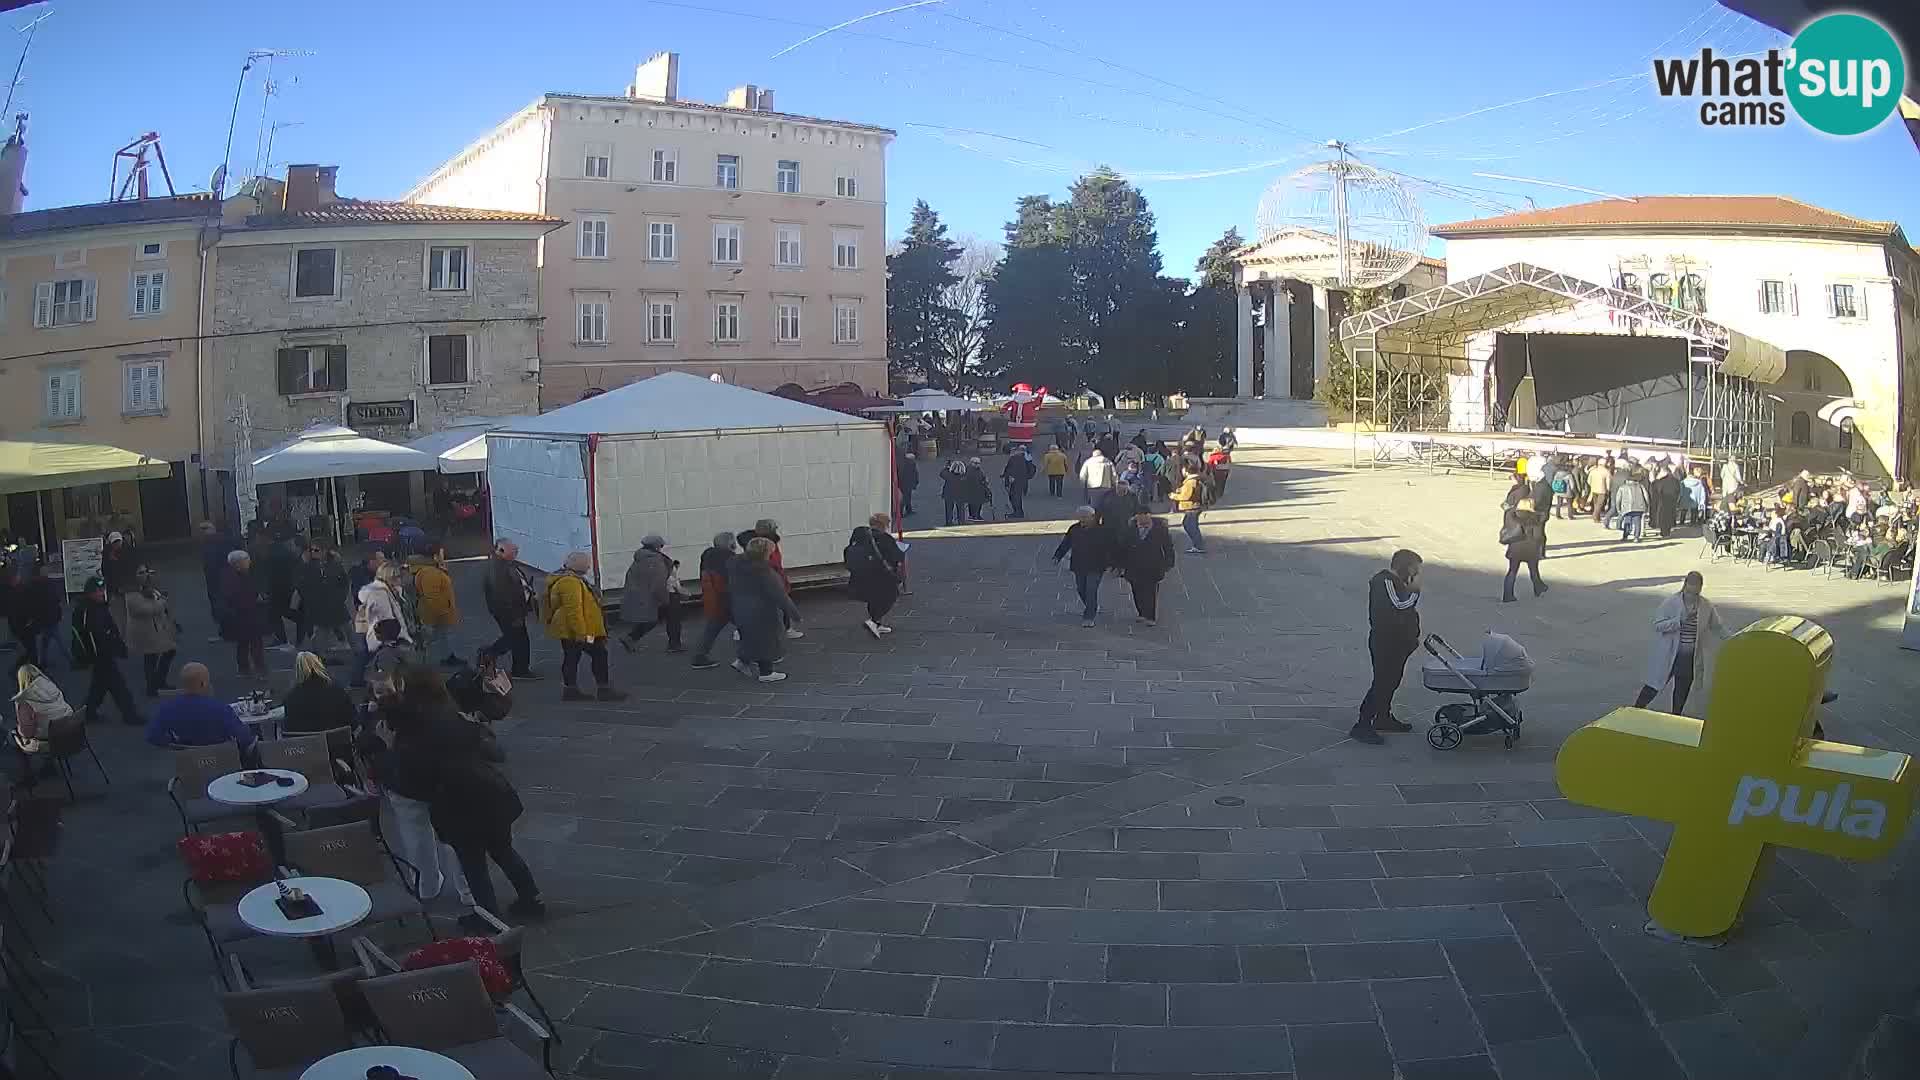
{"x":874,"y":562}
{"x":1192,"y":496}
{"x":97,"y":637}
{"x":575,"y":617}
{"x":714,"y":607}
{"x":1562,"y":486}
{"x":1146,"y":555}
{"x":1088,"y":549}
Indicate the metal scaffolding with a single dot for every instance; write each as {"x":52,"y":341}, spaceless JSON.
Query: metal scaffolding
{"x":1402,"y":352}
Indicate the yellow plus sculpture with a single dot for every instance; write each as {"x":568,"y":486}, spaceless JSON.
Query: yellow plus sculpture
{"x":1749,"y":776}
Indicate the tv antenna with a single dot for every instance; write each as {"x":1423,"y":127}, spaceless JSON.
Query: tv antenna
{"x":30,"y":30}
{"x":254,"y":56}
{"x":264,"y":131}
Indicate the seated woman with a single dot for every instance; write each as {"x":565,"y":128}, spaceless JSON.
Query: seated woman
{"x":40,"y":712}
{"x":316,"y":703}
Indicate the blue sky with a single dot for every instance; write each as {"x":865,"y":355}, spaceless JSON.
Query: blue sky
{"x":993,"y":99}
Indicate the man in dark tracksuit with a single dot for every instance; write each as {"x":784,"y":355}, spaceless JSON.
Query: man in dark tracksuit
{"x":1393,"y":598}
{"x":93,"y":623}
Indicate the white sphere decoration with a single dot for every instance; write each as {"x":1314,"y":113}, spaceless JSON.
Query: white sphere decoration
{"x":1366,"y":211}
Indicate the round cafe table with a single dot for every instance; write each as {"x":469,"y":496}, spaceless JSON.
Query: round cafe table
{"x":410,"y":1061}
{"x":229,"y":791}
{"x":342,"y":904}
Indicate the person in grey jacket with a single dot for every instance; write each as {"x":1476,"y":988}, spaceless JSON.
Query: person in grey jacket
{"x":759,"y":602}
{"x":652,"y":593}
{"x":1630,"y":505}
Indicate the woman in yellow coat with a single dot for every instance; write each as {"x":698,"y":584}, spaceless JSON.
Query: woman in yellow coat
{"x":436,"y":609}
{"x":574,"y":617}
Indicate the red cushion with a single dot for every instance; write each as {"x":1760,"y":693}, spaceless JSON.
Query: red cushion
{"x":234,"y":856}
{"x":456,"y":950}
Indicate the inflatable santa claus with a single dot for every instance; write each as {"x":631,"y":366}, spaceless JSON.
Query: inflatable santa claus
{"x":1023,"y":411}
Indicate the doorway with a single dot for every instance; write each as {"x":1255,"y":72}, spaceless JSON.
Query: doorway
{"x":164,"y":514}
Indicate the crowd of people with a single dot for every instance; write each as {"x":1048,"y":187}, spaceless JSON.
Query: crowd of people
{"x":1867,"y":529}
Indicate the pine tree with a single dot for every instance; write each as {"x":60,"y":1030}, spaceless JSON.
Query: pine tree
{"x":919,"y":320}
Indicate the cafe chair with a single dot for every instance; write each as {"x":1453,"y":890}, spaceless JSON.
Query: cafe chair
{"x":285,"y":1029}
{"x":308,"y":756}
{"x":194,"y":767}
{"x":352,"y":853}
{"x":499,"y":955}
{"x":222,"y":868}
{"x":447,"y":1010}
{"x":67,"y":745}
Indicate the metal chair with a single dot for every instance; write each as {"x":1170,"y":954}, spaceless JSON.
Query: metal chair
{"x":286,"y":1028}
{"x":194,"y":767}
{"x":66,"y":745}
{"x":447,"y":1010}
{"x":1822,"y":558}
{"x":352,"y":853}
{"x":215,"y":906}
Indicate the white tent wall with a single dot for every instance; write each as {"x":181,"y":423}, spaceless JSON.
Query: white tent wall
{"x":818,"y":484}
{"x":538,"y":491}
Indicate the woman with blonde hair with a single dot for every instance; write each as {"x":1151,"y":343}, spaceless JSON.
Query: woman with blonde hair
{"x":40,"y":712}
{"x":316,"y":702}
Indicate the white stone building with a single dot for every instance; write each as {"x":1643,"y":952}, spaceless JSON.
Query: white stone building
{"x":1286,"y":320}
{"x":1837,"y":293}
{"x":395,"y":319}
{"x":713,"y":239}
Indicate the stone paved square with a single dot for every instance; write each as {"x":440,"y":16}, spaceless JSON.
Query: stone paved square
{"x":997,"y":844}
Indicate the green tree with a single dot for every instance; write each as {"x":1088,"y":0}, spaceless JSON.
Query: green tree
{"x":1078,"y":302}
{"x":1344,"y":375}
{"x":919,"y":319}
{"x":1207,"y":357}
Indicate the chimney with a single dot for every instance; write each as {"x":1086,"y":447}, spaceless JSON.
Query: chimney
{"x":13,"y":169}
{"x":750,"y":97}
{"x":309,"y":187}
{"x":658,"y":78}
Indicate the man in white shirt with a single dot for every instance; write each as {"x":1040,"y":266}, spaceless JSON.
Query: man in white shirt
{"x":1096,"y":476}
{"x":1730,"y":480}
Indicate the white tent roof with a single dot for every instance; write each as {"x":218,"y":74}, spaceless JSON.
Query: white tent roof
{"x":678,"y":402}
{"x":330,"y":450}
{"x":931,"y":400}
{"x":463,"y":447}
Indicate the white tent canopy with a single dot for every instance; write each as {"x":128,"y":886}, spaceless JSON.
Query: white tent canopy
{"x":325,"y":450}
{"x":931,"y":400}
{"x":463,"y":447}
{"x":675,"y":402}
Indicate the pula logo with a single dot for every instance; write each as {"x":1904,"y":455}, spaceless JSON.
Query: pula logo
{"x":1843,"y":75}
{"x":1829,"y":811}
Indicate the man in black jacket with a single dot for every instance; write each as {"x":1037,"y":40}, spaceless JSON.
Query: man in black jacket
{"x":1091,"y":547}
{"x":510,"y":601}
{"x":100,"y":635}
{"x":907,"y":474}
{"x":1393,"y":598}
{"x":1146,"y":554}
{"x":1016,"y":475}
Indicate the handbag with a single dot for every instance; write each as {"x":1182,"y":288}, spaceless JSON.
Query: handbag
{"x":1511,"y":533}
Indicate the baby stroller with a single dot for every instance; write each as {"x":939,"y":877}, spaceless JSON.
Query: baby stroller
{"x":1494,"y":680}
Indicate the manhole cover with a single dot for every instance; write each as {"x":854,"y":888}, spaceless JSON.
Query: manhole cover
{"x":1230,"y":800}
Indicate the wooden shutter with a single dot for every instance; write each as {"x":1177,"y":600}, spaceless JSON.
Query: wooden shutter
{"x":1763,"y":297}
{"x":1830,"y":305}
{"x":336,"y":367}
{"x":54,"y":387}
{"x":136,"y":380}
{"x":87,"y":291}
{"x":1793,"y":297}
{"x":43,"y":304}
{"x":290,"y":363}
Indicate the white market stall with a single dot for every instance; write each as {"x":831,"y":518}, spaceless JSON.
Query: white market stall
{"x":462,"y":448}
{"x":329,"y":452}
{"x":685,"y":457}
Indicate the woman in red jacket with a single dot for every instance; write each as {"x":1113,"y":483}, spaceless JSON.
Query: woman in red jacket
{"x":713,"y":596}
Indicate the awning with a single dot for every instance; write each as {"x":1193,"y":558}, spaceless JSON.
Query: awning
{"x":1430,"y":329}
{"x":330,"y":450}
{"x":41,"y":466}
{"x":462,"y":449}
{"x":931,"y":400}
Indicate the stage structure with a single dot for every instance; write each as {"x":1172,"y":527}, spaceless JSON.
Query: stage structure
{"x":1410,"y":357}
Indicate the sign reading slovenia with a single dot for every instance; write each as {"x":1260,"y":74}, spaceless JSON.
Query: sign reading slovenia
{"x":1842,"y":74}
{"x":1749,"y":776}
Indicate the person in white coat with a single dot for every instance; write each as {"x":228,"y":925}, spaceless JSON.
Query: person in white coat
{"x":1097,"y":477}
{"x":379,"y":600}
{"x":1676,"y":655}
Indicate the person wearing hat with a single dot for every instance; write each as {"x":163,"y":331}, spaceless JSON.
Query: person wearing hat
{"x":99,"y":636}
{"x":651,"y":594}
{"x":977,"y":488}
{"x":575,"y":617}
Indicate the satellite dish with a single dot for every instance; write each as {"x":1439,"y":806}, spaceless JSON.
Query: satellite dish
{"x":217,"y":183}
{"x":1370,"y":228}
